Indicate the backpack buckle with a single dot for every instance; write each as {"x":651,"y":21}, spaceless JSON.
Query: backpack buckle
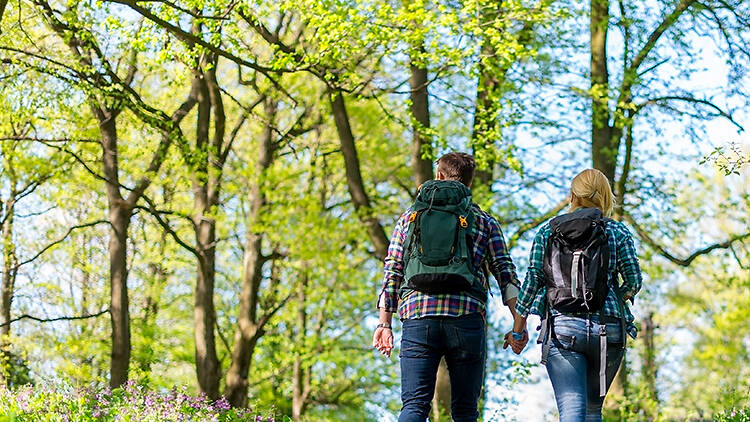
{"x":462,"y":221}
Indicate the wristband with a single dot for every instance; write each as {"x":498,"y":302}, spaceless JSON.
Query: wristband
{"x":518,"y":336}
{"x":388,"y":326}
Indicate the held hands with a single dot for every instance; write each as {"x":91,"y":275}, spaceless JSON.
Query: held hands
{"x":382,"y":340}
{"x":516,"y":345}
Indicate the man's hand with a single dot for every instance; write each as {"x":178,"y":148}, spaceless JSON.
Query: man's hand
{"x":516,"y":345}
{"x":382,"y":340}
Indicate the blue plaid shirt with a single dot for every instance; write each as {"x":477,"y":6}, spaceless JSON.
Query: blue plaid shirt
{"x":623,"y":260}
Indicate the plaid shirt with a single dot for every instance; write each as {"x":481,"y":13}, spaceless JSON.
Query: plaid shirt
{"x":622,"y":259}
{"x":488,"y":248}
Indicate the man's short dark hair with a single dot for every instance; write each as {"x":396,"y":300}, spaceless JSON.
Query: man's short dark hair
{"x":457,"y":166}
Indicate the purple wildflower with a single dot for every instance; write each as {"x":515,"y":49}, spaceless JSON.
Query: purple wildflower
{"x":22,"y":398}
{"x":222,"y":404}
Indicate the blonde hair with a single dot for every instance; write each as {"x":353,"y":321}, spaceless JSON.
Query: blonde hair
{"x":591,"y":189}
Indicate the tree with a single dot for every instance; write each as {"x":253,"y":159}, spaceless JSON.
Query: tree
{"x":108,"y":93}
{"x":20,"y":177}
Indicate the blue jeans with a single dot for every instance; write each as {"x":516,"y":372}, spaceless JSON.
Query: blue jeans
{"x":573,"y":365}
{"x":423,"y":342}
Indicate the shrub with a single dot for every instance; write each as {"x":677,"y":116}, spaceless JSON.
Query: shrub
{"x":129,"y":403}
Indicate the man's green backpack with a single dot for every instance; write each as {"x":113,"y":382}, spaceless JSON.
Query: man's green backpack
{"x":438,"y":247}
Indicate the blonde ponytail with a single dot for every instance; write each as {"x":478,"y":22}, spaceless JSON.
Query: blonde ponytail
{"x":591,"y":189}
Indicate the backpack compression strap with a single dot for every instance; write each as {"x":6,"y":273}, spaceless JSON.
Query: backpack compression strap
{"x":413,"y":220}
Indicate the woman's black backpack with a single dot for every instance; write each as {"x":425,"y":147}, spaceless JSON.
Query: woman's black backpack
{"x":576,"y":262}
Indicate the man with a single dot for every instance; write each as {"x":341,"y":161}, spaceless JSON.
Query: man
{"x":449,"y":325}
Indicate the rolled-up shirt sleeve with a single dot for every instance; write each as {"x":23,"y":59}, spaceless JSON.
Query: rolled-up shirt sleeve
{"x":534,"y":276}
{"x":500,"y":263}
{"x":627,"y":264}
{"x":394,"y":267}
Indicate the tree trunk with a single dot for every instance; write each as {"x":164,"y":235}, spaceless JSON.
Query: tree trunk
{"x":354,"y":176}
{"x":300,"y":373}
{"x":9,"y":269}
{"x":204,"y":315}
{"x":159,"y":273}
{"x":247,"y":328}
{"x":119,"y":218}
{"x":604,"y":156}
{"x":9,"y":280}
{"x":649,"y":363}
{"x":155,"y":283}
{"x":485,"y":114}
{"x":420,"y":111}
{"x":118,"y":235}
{"x":85,"y":262}
{"x":247,"y":334}
{"x":3,"y":4}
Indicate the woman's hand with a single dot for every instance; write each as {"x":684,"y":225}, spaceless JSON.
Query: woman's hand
{"x":516,"y":345}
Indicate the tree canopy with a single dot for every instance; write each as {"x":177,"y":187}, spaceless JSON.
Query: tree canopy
{"x":200,"y":193}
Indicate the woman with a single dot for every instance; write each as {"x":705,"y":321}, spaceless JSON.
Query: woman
{"x":576,"y":337}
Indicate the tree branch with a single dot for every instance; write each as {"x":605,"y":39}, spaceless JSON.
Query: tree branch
{"x":631,"y":72}
{"x":193,"y":39}
{"x":685,"y":98}
{"x":47,"y":141}
{"x":195,"y":15}
{"x":64,"y":318}
{"x":622,"y":183}
{"x":65,"y":236}
{"x":668,"y":21}
{"x":684,"y":262}
{"x":737,"y":258}
{"x":78,"y":159}
{"x":151,"y":209}
{"x":161,"y":150}
{"x":523,"y":228}
{"x":267,"y":316}
{"x":221,"y":335}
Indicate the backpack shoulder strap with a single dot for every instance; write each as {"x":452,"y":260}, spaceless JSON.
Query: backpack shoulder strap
{"x":411,"y":228}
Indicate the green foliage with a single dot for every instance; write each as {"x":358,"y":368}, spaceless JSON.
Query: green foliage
{"x":14,"y":368}
{"x":733,"y":415}
{"x":729,"y":159}
{"x":130,"y":403}
{"x":495,"y":68}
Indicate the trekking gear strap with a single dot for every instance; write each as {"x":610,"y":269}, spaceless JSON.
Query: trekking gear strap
{"x":602,"y":354}
{"x":574,"y":273}
{"x":621,"y":305}
{"x":556,"y":272}
{"x":545,"y":333}
{"x":410,"y":241}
